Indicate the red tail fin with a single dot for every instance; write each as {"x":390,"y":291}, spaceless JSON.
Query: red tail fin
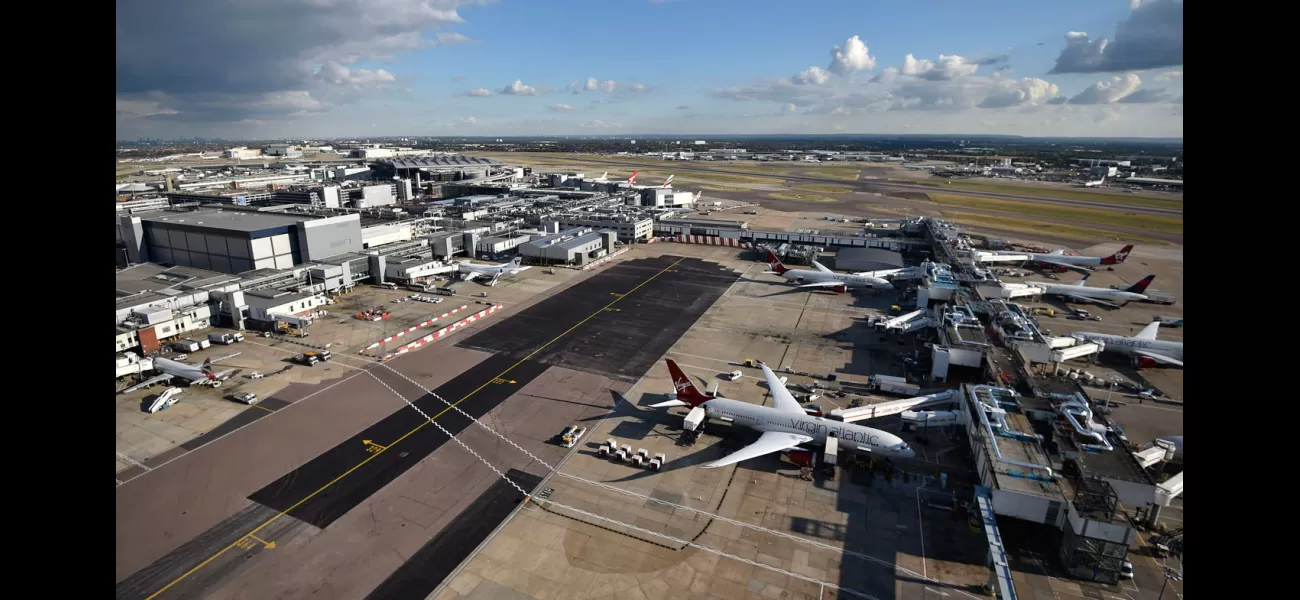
{"x":686,"y":391}
{"x":775,"y":263}
{"x":1118,"y":257}
{"x":207,"y":368}
{"x":1141,"y":286}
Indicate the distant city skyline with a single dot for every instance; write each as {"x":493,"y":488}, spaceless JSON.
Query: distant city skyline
{"x":508,"y":68}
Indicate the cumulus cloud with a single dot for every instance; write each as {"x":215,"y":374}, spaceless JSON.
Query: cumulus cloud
{"x":811,"y":76}
{"x":519,"y":89}
{"x":479,"y":92}
{"x":1005,"y":93}
{"x":1150,"y":37}
{"x":1109,"y":91}
{"x":946,"y":68}
{"x":1170,"y":76}
{"x":996,"y":59}
{"x":1147,"y":96}
{"x":635,"y":88}
{"x":560,"y":107}
{"x":258,"y":57}
{"x":591,"y":85}
{"x":851,"y":58}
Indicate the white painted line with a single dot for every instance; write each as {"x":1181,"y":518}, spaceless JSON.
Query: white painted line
{"x":332,"y":355}
{"x":133,"y":461}
{"x":921,"y":526}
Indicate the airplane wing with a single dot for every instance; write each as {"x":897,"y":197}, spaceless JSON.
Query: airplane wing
{"x":150,"y":381}
{"x":822,"y":284}
{"x":470,"y":275}
{"x":228,"y":356}
{"x":1149,"y":332}
{"x":1160,"y":358}
{"x":1092,"y":300}
{"x":781,"y":398}
{"x":821,"y":267}
{"x":769,"y":442}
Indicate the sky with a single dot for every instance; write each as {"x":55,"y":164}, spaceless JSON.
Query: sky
{"x":250,"y":69}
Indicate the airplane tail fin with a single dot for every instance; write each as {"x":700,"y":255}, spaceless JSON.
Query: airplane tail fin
{"x":686,"y":390}
{"x":1118,"y":257}
{"x":1141,"y":286}
{"x":775,"y":263}
{"x":206,"y":369}
{"x":519,"y":260}
{"x":631,"y":180}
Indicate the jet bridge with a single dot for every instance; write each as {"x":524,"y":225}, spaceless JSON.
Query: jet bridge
{"x":893,"y":407}
{"x":1160,"y":450}
{"x":899,"y":321}
{"x":999,"y":567}
{"x":1077,"y":351}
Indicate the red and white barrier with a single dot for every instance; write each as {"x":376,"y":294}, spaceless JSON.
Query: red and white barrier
{"x":424,"y":324}
{"x":710,"y":240}
{"x":445,"y":331}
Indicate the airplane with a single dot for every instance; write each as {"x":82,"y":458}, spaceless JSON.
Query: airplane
{"x":826,"y":278}
{"x":1081,"y":292}
{"x":785,"y":425}
{"x":1144,"y":347}
{"x":668,"y":182}
{"x":470,"y":271}
{"x":1098,"y":183}
{"x":1058,"y":258}
{"x":632,"y":180}
{"x":200,"y":375}
{"x":604,"y":177}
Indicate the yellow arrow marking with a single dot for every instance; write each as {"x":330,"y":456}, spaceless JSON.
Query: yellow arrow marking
{"x":268,"y":545}
{"x":616,"y":294}
{"x":373,"y":447}
{"x":500,"y":380}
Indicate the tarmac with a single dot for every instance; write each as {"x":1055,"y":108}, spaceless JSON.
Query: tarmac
{"x":335,"y":496}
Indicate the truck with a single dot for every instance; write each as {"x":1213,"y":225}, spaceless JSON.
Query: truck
{"x":570,"y":436}
{"x":186,"y":346}
{"x":225,"y":338}
{"x":893,"y":385}
{"x":310,"y":358}
{"x":1159,"y":297}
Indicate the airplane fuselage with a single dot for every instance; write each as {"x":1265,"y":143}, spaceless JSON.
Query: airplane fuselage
{"x":804,"y":276}
{"x":761,"y":418}
{"x":1090,"y":292}
{"x":1127,"y":345}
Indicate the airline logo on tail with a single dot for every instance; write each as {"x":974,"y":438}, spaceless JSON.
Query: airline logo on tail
{"x":632,"y":180}
{"x":1141,"y":286}
{"x":519,"y":260}
{"x":206,"y":369}
{"x":686,"y":390}
{"x":669,"y":181}
{"x":1118,"y":257}
{"x":775,"y":263}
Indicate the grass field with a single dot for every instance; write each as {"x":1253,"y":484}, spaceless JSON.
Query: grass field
{"x":1096,"y":216}
{"x":1049,"y":192}
{"x":825,"y":189}
{"x":802,"y":197}
{"x":1031,"y":227}
{"x":847,"y":174}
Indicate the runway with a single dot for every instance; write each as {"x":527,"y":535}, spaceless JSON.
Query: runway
{"x":875,"y":185}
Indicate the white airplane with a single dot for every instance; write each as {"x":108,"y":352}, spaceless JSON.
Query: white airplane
{"x":1144,"y":346}
{"x":669,"y":182}
{"x":470,"y":271}
{"x":784,"y":425}
{"x":1057,"y":258}
{"x":1097,"y":183}
{"x":604,"y":177}
{"x":1080,"y":292}
{"x":200,"y":375}
{"x":826,"y":278}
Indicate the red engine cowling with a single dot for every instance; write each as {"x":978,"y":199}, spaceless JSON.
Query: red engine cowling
{"x":802,"y":458}
{"x":1143,"y":362}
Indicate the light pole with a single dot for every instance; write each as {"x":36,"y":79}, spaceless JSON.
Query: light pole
{"x":1170,"y":573}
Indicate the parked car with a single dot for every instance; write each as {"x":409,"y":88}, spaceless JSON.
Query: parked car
{"x":249,"y":399}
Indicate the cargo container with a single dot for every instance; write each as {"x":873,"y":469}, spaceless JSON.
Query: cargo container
{"x":893,"y":385}
{"x":186,"y":346}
